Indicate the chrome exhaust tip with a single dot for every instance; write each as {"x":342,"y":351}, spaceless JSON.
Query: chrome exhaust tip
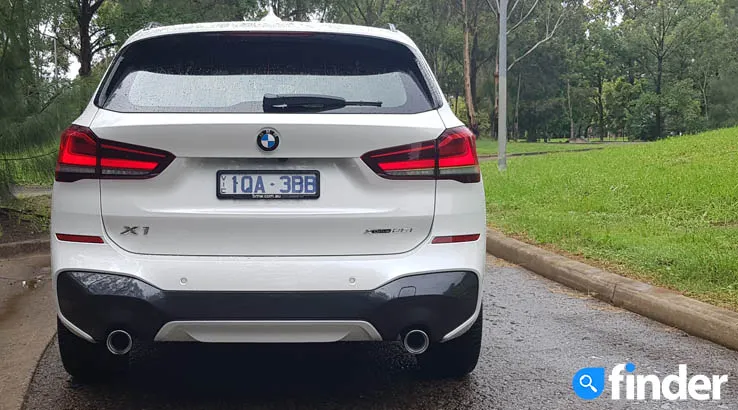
{"x":119,"y":342}
{"x":416,"y":341}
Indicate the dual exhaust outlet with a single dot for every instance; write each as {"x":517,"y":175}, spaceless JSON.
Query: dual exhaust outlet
{"x":415,"y":341}
{"x":119,"y":342}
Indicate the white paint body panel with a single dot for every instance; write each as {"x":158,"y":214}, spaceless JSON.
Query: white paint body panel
{"x":181,"y":202}
{"x":211,"y":273}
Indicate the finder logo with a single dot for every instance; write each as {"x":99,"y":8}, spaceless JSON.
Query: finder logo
{"x":589,"y":383}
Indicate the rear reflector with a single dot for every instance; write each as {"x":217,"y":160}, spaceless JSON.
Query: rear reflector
{"x":453,"y":155}
{"x":84,"y":156}
{"x":79,"y":238}
{"x":456,"y":238}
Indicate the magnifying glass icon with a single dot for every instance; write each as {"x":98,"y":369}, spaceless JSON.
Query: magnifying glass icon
{"x":586,"y":382}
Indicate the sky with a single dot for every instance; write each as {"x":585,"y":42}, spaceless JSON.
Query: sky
{"x":73,"y":69}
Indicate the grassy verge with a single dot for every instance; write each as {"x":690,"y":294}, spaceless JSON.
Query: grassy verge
{"x":665,"y":212}
{"x":23,"y":219}
{"x":489,"y":147}
{"x":33,"y":166}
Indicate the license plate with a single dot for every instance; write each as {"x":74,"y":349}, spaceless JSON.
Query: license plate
{"x":268,"y":184}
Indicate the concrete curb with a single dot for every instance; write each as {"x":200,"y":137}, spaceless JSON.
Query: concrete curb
{"x":696,"y":318}
{"x":11,"y":249}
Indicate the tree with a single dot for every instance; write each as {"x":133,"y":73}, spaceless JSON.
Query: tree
{"x":122,"y":18}
{"x":708,"y":53}
{"x":364,"y":12}
{"x":78,"y":32}
{"x":432,"y":25}
{"x":500,"y":8}
{"x":656,"y":32}
{"x":469,"y":24}
{"x":619,"y":99}
{"x":588,"y":40}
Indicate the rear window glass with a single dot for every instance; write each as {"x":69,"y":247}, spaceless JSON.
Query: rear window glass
{"x":231,"y":72}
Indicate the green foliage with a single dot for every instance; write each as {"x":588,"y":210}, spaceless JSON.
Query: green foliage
{"x":641,"y":118}
{"x":723,"y":97}
{"x":27,"y":108}
{"x":124,"y":17}
{"x":619,"y":96}
{"x":664,"y":40}
{"x":666,"y":211}
{"x":28,"y":145}
{"x":19,"y":91}
{"x":681,"y":102}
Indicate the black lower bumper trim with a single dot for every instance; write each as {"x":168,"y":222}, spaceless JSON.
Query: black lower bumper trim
{"x":98,"y":303}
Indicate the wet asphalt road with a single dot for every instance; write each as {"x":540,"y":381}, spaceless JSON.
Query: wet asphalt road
{"x":537,"y":334}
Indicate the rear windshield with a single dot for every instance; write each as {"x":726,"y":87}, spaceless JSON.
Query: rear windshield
{"x":231,"y":72}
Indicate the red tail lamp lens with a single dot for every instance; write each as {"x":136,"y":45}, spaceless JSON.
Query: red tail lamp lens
{"x":453,"y":155}
{"x":84,"y":156}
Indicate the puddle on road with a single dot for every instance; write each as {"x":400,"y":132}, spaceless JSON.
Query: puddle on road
{"x":34,"y":283}
{"x":12,"y":290}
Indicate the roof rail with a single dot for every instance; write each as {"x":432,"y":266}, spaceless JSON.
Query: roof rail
{"x":151,"y":25}
{"x":392,"y":27}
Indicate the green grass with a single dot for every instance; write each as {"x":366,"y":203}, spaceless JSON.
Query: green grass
{"x":489,"y":147}
{"x":37,"y":170}
{"x":665,"y":212}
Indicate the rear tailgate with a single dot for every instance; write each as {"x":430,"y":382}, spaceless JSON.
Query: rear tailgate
{"x":179,"y":211}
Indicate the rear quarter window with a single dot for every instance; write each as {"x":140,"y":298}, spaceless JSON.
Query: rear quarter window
{"x":231,"y":72}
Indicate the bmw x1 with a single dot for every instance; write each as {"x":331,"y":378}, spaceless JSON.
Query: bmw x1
{"x":268,"y":182}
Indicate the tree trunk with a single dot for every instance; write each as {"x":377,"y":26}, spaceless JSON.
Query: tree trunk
{"x":473,"y":124}
{"x":600,"y":111}
{"x":85,"y":49}
{"x":84,"y":17}
{"x":707,"y":114}
{"x":571,"y":113}
{"x":496,"y":110}
{"x":516,"y":129}
{"x":24,"y":51}
{"x":704,"y":98}
{"x":473,"y":55}
{"x":659,"y":74}
{"x":492,"y":117}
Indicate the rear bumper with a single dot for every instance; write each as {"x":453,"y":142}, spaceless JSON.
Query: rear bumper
{"x":93,"y":304}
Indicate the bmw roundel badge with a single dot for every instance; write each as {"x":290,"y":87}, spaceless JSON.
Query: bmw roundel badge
{"x":268,"y":140}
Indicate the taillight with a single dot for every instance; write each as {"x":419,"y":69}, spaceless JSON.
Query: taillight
{"x":453,"y":155}
{"x":84,"y":156}
{"x":457,"y":156}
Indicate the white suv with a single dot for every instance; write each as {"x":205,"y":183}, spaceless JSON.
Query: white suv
{"x":268,"y":182}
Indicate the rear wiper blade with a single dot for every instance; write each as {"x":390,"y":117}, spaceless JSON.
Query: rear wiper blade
{"x":309,"y":103}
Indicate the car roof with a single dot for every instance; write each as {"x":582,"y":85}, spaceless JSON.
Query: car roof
{"x":273,"y":26}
